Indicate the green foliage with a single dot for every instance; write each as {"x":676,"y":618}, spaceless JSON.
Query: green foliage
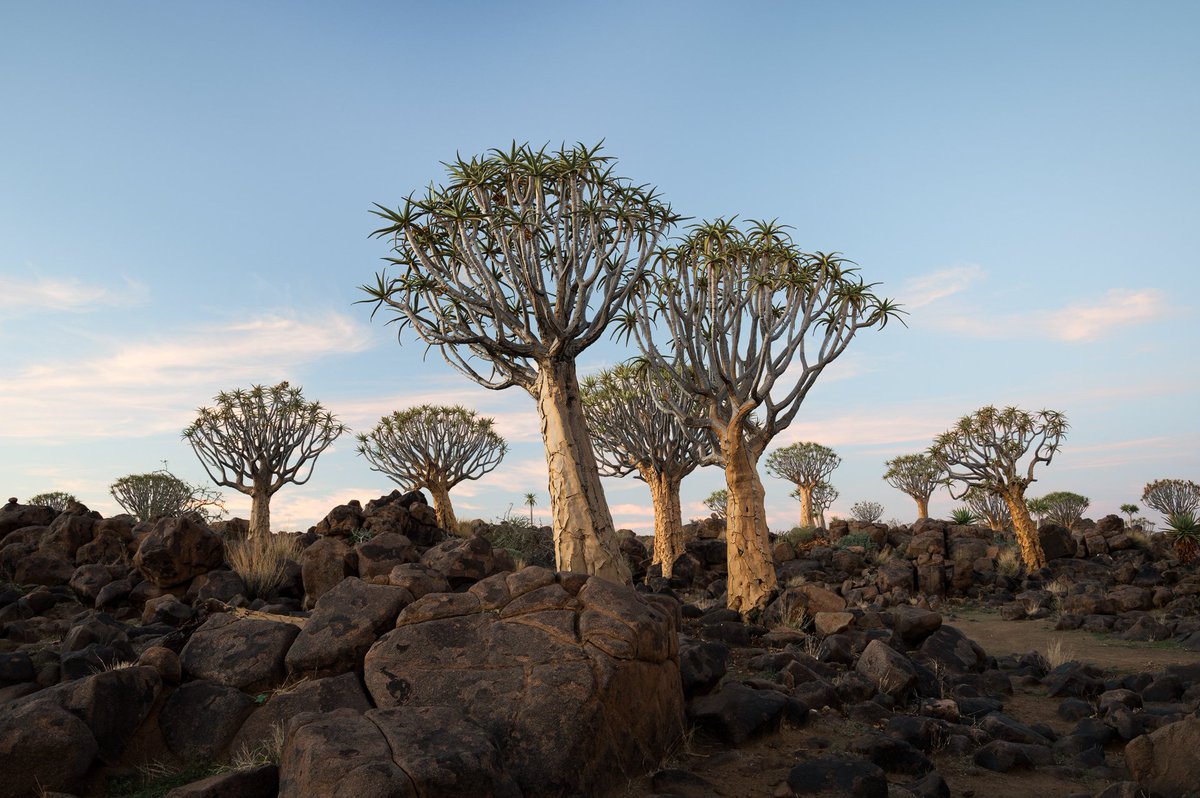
{"x":1065,"y":508}
{"x":160,"y":494}
{"x":963,"y":516}
{"x":985,"y":448}
{"x":1037,"y":507}
{"x":56,"y":500}
{"x":522,"y":540}
{"x":806,"y":464}
{"x":856,"y":539}
{"x":799,"y":534}
{"x":917,"y":475}
{"x":718,"y":502}
{"x":433,"y":444}
{"x":866,"y":511}
{"x":1183,"y":530}
{"x":1130,"y":510}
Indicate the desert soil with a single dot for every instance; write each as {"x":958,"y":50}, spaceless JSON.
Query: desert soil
{"x":760,"y":768}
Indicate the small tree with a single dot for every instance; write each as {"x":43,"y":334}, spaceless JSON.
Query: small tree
{"x":984,"y":450}
{"x":806,"y":465}
{"x":1038,"y":508}
{"x":1171,"y":497}
{"x":258,"y":440}
{"x":56,"y":500}
{"x":823,"y":496}
{"x":718,"y":502}
{"x":434,"y":447}
{"x":989,"y":507}
{"x":531,"y":500}
{"x":513,"y":270}
{"x":632,"y":435}
{"x":742,"y":310}
{"x":1130,"y":511}
{"x":867,"y":512}
{"x":1065,"y":508}
{"x":916,"y":475}
{"x":161,"y":494}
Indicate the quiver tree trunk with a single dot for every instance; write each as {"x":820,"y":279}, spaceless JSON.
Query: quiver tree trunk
{"x":1025,"y":531}
{"x":748,"y":552}
{"x":441,"y":505}
{"x":584,"y":538}
{"x":922,"y":506}
{"x":668,"y":519}
{"x":805,"y":493}
{"x":260,"y":508}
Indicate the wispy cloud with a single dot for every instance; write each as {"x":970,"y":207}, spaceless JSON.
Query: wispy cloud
{"x":25,"y":295}
{"x":1076,"y":322}
{"x":898,"y":426}
{"x":928,"y":288}
{"x":150,"y":386}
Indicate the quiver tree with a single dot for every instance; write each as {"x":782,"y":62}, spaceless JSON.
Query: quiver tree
{"x":806,"y":465}
{"x":822,"y":497}
{"x":718,"y":502}
{"x":989,"y":507}
{"x":733,"y":312}
{"x":1065,"y":508}
{"x":258,"y":440}
{"x":434,"y":448}
{"x":1038,"y":508}
{"x":513,"y":269}
{"x":1171,"y":497}
{"x":56,"y":500}
{"x":985,"y":449}
{"x":916,"y":475}
{"x":866,"y":511}
{"x":161,"y":493}
{"x":632,"y":435}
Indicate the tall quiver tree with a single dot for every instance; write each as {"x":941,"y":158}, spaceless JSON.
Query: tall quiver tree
{"x":726,"y":313}
{"x":806,"y":465}
{"x":513,"y":269}
{"x":258,"y":440}
{"x":985,"y":449}
{"x":631,"y":434}
{"x":435,"y":448}
{"x":916,"y":475}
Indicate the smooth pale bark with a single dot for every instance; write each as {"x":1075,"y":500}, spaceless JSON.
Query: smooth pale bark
{"x":442,"y":507}
{"x":806,"y":513}
{"x":1025,"y":530}
{"x":584,"y":538}
{"x":922,"y":506}
{"x":260,"y":508}
{"x":747,"y":540}
{"x":668,"y":518}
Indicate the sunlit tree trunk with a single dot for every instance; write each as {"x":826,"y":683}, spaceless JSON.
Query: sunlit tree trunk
{"x":806,"y":514}
{"x":747,"y":541}
{"x":1025,"y":530}
{"x":260,"y":507}
{"x":668,"y":518}
{"x":441,"y":505}
{"x":922,"y":507}
{"x":584,"y":537}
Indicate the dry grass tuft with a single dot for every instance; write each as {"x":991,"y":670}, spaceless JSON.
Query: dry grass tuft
{"x":1057,"y":654}
{"x":268,"y":752}
{"x":261,"y":561}
{"x":1008,"y":562}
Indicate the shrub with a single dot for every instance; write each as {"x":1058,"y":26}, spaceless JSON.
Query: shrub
{"x":525,"y":543}
{"x":856,"y":539}
{"x":799,"y":535}
{"x":1183,"y":530}
{"x":962,"y":516}
{"x":866,"y":511}
{"x":261,"y":561}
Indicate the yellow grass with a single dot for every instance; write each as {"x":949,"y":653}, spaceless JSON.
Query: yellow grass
{"x":261,"y":561}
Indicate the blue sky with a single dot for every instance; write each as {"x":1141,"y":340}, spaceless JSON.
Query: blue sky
{"x":184,"y":197}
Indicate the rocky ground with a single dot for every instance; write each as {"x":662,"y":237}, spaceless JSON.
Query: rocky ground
{"x":393,"y":659}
